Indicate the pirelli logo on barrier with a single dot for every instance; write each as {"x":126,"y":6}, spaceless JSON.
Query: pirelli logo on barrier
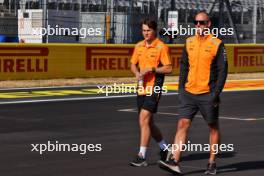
{"x":23,"y":59}
{"x":116,"y":58}
{"x":249,"y":56}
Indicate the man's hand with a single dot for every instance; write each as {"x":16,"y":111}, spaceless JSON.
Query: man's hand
{"x":138,"y":76}
{"x":215,"y":99}
{"x":136,"y":72}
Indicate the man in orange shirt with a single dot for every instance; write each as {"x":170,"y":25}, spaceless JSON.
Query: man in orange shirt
{"x":149,"y":63}
{"x":203,"y":72}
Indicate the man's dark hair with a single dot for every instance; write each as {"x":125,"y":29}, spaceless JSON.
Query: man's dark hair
{"x":150,"y":23}
{"x":204,"y":12}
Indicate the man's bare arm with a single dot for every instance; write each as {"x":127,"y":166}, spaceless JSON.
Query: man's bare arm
{"x":135,"y":71}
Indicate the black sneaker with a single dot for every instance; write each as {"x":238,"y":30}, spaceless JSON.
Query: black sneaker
{"x":171,"y":166}
{"x":139,"y":161}
{"x":211,"y":169}
{"x":163,"y":155}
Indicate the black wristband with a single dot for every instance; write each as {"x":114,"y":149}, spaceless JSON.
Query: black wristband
{"x":153,"y":70}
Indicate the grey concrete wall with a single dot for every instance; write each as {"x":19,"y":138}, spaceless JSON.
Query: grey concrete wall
{"x":93,"y":20}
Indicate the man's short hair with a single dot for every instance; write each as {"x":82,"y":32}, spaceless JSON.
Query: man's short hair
{"x":204,"y":12}
{"x":150,"y":23}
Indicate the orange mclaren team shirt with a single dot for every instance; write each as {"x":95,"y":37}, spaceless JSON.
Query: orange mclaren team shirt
{"x":155,"y":55}
{"x":203,"y":65}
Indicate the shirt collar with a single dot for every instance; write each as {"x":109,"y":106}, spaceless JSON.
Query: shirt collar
{"x":204,"y":37}
{"x":153,"y":44}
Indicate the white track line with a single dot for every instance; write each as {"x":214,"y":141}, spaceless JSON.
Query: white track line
{"x":83,"y":86}
{"x":72,"y":99}
{"x":89,"y":98}
{"x":168,"y":107}
{"x":63,"y":99}
{"x":175,"y":114}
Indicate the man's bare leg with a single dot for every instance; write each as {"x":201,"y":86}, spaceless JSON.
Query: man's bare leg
{"x":172,"y":165}
{"x":180,"y":137}
{"x":214,"y":138}
{"x":145,"y":119}
{"x":148,"y":128}
{"x":145,"y":130}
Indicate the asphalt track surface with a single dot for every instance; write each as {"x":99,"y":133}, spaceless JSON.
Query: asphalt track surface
{"x":112,"y":122}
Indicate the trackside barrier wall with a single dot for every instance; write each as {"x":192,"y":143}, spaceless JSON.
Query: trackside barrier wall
{"x":45,"y":61}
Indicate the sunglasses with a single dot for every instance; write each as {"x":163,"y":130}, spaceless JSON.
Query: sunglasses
{"x":200,"y":22}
